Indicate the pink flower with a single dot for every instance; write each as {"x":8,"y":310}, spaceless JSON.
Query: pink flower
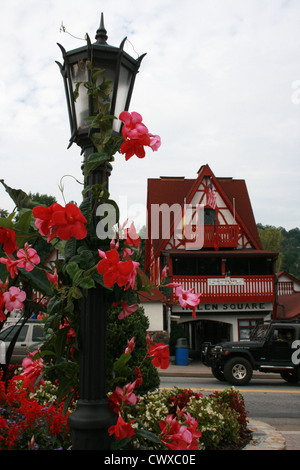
{"x":2,"y":314}
{"x":132,"y":275}
{"x":133,"y":127}
{"x":186,"y":298}
{"x":28,"y":258}
{"x":149,"y":341}
{"x":14,"y":298}
{"x":126,"y":310}
{"x":164,"y":274}
{"x":130,"y":346}
{"x":53,"y":278}
{"x":155,"y":142}
{"x":137,"y":136}
{"x":178,"y":437}
{"x":121,"y":430}
{"x":122,"y":396}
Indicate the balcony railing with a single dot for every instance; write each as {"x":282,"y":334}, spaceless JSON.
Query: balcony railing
{"x":219,"y":236}
{"x":223,"y":289}
{"x":285,"y":288}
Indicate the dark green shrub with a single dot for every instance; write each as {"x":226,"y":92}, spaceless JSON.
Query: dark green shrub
{"x":118,"y":333}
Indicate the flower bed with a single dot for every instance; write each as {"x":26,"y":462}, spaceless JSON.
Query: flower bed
{"x":185,"y":420}
{"x":176,"y":419}
{"x":29,"y":422}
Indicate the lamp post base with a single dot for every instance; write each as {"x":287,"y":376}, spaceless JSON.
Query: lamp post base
{"x":89,"y":424}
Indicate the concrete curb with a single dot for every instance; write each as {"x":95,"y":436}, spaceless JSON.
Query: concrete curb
{"x":265,"y":437}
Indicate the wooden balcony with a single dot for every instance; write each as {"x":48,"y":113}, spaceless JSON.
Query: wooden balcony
{"x":224,"y":289}
{"x":219,"y":236}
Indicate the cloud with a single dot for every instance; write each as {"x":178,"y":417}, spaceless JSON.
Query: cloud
{"x":216,"y":85}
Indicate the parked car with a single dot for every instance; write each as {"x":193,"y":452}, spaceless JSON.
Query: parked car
{"x":30,"y":337}
{"x":271,"y":349}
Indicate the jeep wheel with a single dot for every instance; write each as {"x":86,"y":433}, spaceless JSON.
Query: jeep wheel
{"x":218,"y":374}
{"x":290,"y":376}
{"x":238,"y":371}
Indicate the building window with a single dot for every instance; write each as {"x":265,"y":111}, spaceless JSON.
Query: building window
{"x":209,"y":217}
{"x":245,"y":328}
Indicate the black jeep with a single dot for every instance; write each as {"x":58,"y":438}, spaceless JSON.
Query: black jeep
{"x":273,"y":347}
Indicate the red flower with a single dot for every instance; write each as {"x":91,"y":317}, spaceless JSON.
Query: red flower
{"x":61,"y":222}
{"x":121,"y":430}
{"x":43,"y":217}
{"x":68,"y":223}
{"x":135,"y":147}
{"x":32,"y":370}
{"x":114,"y":270}
{"x":131,"y":237}
{"x":138,"y":377}
{"x":8,"y":239}
{"x":11,"y":266}
{"x":160,"y":355}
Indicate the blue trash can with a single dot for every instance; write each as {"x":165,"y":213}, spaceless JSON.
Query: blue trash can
{"x":181,"y":352}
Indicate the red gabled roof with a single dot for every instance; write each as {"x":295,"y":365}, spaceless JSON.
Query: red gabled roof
{"x":173,"y":190}
{"x":155,"y":295}
{"x":288,"y":306}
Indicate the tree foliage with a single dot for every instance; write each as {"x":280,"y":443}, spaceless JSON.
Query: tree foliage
{"x":286,"y":243}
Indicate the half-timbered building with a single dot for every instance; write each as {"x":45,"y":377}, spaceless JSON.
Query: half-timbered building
{"x":204,"y":230}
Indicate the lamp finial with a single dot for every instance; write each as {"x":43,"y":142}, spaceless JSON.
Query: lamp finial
{"x":101,"y":33}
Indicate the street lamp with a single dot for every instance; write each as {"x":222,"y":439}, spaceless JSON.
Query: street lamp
{"x":92,"y":418}
{"x":120,"y":68}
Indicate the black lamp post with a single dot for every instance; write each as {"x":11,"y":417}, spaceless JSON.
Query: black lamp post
{"x":91,"y":419}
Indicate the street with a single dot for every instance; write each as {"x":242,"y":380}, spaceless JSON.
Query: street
{"x":272,"y":401}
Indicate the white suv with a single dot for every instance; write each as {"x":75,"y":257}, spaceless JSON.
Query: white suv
{"x":30,"y":337}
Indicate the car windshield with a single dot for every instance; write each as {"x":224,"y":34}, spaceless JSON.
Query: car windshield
{"x":259,"y":332}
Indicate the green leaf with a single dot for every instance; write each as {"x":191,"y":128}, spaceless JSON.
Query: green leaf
{"x":87,"y":283}
{"x":120,"y":366}
{"x":20,"y":198}
{"x":74,"y":271}
{"x":147,"y":435}
{"x":55,"y":305}
{"x":76,"y":91}
{"x":95,"y":160}
{"x":120,"y":444}
{"x":24,"y":222}
{"x":60,"y":341}
{"x":76,"y":293}
{"x":38,"y":280}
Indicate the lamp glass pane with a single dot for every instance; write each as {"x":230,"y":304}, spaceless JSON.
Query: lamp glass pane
{"x":123,"y":90}
{"x":80,"y":74}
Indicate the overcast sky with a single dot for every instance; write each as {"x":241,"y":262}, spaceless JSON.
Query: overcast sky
{"x":220,"y":84}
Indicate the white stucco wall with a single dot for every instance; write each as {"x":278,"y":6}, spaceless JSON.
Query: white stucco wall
{"x":154,"y":312}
